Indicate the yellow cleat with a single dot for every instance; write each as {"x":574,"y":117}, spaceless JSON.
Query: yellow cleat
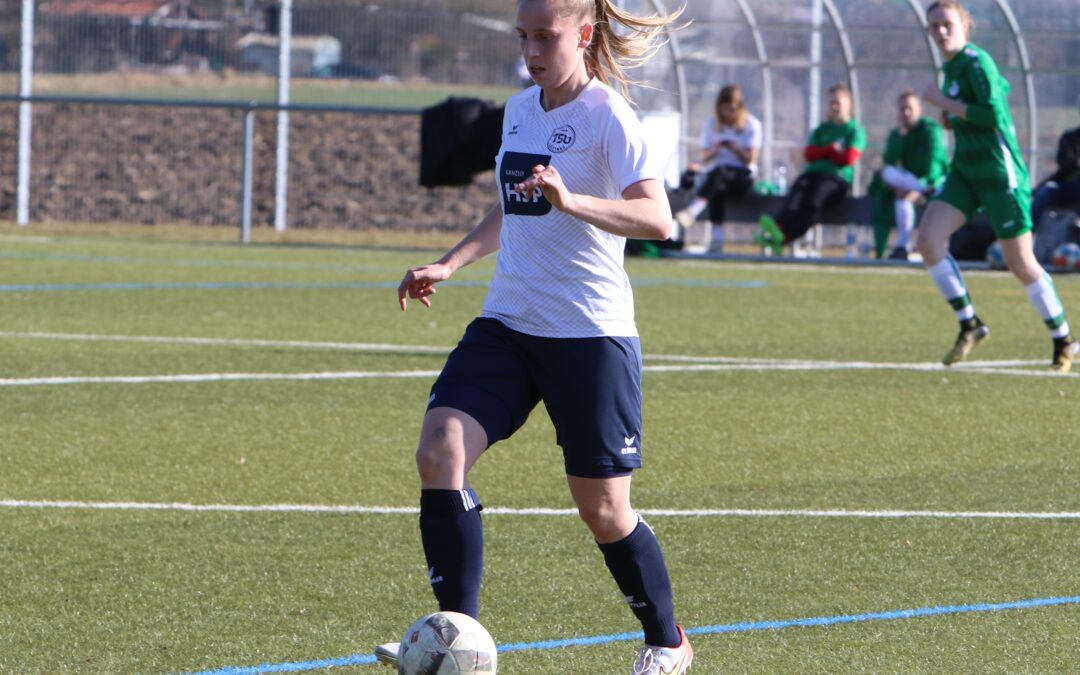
{"x":970,"y":335}
{"x":1064,"y":350}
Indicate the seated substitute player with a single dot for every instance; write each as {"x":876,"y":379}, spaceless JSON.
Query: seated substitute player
{"x":557,"y":326}
{"x":834,"y":147}
{"x":915,"y":160}
{"x":987,"y":172}
{"x":730,"y":144}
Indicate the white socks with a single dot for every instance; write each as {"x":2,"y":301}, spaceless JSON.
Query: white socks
{"x":717,"y":236}
{"x":905,"y":221}
{"x":1045,"y":298}
{"x":696,"y":207}
{"x":946,"y":275}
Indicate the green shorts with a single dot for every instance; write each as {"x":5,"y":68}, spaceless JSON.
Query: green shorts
{"x":1009,"y":210}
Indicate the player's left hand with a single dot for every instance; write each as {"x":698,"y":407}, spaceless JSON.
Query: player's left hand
{"x":550,"y":182}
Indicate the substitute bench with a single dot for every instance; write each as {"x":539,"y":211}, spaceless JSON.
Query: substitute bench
{"x":853,"y":214}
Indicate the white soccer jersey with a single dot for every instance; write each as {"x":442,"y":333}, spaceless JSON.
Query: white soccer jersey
{"x":558,"y":276}
{"x":749,"y":138}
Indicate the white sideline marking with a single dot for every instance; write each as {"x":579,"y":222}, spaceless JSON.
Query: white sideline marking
{"x":410,"y":510}
{"x":216,"y":377}
{"x":429,"y":349}
{"x":348,"y":346}
{"x":774,"y":366}
{"x":684,"y":363}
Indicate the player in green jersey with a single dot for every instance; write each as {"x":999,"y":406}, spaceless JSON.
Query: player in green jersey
{"x":987,"y":172}
{"x":915,"y":161}
{"x":834,"y":147}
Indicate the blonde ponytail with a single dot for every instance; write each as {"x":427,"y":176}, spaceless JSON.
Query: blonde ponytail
{"x":610,"y":55}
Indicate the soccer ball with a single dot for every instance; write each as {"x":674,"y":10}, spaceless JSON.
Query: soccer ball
{"x":994,"y":257}
{"x":1067,"y":256}
{"x":446,"y":643}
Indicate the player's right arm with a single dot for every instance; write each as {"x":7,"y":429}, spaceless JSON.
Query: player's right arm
{"x":419,"y":282}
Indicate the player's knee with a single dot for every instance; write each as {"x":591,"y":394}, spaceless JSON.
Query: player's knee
{"x":603,"y":518}
{"x":439,"y":458}
{"x":928,"y":246}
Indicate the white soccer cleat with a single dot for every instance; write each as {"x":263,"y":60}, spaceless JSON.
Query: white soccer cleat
{"x":386,"y":654}
{"x":664,"y":660}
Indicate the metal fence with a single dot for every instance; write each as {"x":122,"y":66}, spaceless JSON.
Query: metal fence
{"x":350,"y":157}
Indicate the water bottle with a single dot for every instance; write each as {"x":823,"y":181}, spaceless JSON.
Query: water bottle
{"x":781,"y":178}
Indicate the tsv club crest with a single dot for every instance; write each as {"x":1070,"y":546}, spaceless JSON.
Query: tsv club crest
{"x":561,"y":139}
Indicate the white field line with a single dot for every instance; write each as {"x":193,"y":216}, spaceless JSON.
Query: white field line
{"x":294,"y":344}
{"x":410,"y":510}
{"x":217,"y":377}
{"x":775,"y":366}
{"x":686,"y":363}
{"x":427,"y":349}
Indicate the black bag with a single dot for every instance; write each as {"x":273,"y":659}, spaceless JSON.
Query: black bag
{"x":458,"y":139}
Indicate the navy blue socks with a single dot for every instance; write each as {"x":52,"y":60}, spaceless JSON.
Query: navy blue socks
{"x":637,"y":563}
{"x":453,"y":538}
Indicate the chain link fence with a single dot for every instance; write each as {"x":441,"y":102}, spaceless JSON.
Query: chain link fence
{"x":383,"y":62}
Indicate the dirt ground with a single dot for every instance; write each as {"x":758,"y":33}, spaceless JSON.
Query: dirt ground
{"x":156,"y":166}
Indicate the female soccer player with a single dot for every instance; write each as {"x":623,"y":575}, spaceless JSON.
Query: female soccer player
{"x":987,"y":172}
{"x":575,"y":180}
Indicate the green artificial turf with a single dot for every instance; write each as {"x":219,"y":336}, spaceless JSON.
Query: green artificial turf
{"x":772,"y":393}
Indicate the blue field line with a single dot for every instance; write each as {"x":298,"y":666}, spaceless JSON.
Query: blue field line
{"x":743,"y":627}
{"x":639,"y":282}
{"x":297,"y":667}
{"x":210,"y":286}
{"x":195,"y":262}
{"x":292,"y":285}
{"x":201,"y":262}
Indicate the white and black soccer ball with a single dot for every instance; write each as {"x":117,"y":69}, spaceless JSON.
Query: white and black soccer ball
{"x":446,"y":643}
{"x":1067,"y":257}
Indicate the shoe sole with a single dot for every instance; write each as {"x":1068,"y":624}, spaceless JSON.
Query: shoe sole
{"x":386,"y":657}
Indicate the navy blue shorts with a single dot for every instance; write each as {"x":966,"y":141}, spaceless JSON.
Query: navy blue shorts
{"x":591,"y":388}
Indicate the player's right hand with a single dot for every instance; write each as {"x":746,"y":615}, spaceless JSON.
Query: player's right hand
{"x":419,"y":283}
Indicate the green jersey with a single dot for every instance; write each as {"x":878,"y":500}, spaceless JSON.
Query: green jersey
{"x":922,"y":151}
{"x":987,"y":152}
{"x":850,"y":135}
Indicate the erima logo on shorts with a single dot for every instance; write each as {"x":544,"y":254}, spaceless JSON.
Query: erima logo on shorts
{"x":561,"y":139}
{"x":630,"y":449}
